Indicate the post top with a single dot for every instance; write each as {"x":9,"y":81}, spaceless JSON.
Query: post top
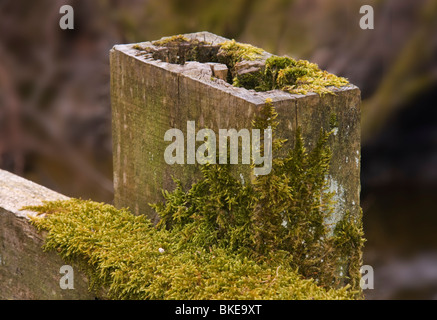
{"x":236,"y":68}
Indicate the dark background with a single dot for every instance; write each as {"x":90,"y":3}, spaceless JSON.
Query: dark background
{"x":55,"y":116}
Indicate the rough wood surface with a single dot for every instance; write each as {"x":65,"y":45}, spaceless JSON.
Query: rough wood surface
{"x":26,"y":271}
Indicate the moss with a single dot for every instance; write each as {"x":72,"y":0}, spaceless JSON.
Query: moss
{"x":278,"y":218}
{"x":249,"y":80}
{"x":333,"y":121}
{"x":121,"y":252}
{"x":222,"y":239}
{"x":171,"y":41}
{"x":349,"y":238}
{"x":138,"y":47}
{"x":232,"y":52}
{"x":293,"y":76}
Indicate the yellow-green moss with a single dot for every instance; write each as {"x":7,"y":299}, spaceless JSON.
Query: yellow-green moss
{"x":171,"y":40}
{"x":349,"y":239}
{"x":333,"y":121}
{"x":280,"y":218}
{"x":122,"y":254}
{"x":234,"y":52}
{"x":137,"y":47}
{"x":293,"y":76}
{"x":222,"y":239}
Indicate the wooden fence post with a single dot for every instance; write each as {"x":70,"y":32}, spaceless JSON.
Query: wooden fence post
{"x":154,"y":90}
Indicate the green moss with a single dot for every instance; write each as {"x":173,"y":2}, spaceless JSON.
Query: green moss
{"x":278,"y":218}
{"x":333,"y":121}
{"x":232,"y":52}
{"x":250,"y":80}
{"x":171,"y":41}
{"x":137,"y":47}
{"x":222,"y":239}
{"x":349,"y":238}
{"x":121,"y":252}
{"x":294,"y":76}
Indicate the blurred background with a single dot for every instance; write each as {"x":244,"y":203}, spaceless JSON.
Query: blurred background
{"x":55,"y":115}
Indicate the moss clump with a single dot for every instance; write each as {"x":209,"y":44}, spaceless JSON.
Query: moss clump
{"x":349,"y":239}
{"x":222,"y":239}
{"x":138,"y":47}
{"x":333,"y":121}
{"x":232,"y":52}
{"x":280,"y":218}
{"x":174,"y":40}
{"x":293,"y":76}
{"x":121,"y":252}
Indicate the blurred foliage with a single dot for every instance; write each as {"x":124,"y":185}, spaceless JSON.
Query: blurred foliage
{"x":54,"y":84}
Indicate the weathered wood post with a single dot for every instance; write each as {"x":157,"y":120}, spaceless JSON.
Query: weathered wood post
{"x":155,"y":88}
{"x":26,"y":271}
